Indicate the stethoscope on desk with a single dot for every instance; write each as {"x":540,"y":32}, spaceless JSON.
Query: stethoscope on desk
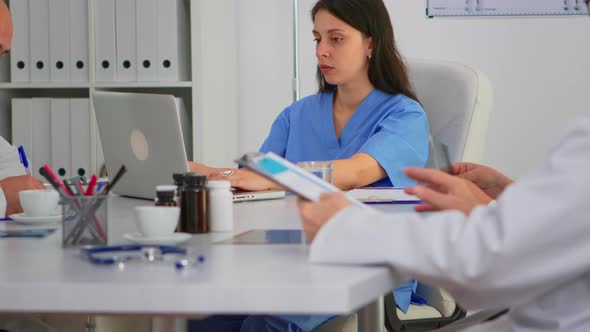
{"x":111,"y":255}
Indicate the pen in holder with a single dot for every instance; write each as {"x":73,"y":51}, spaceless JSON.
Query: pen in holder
{"x":84,"y":220}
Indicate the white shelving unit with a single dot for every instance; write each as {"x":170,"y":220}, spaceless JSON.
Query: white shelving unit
{"x":210,"y":95}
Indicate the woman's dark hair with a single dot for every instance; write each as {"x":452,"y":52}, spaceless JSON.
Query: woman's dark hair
{"x":387,"y":71}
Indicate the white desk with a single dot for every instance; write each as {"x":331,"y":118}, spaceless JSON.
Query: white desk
{"x":38,"y":276}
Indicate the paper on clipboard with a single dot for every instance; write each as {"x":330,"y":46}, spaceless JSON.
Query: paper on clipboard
{"x":383,"y":195}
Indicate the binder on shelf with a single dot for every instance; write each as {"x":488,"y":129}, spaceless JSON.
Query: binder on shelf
{"x":22,"y":122}
{"x":41,"y":128}
{"x":126,"y":40}
{"x":146,"y":41}
{"x":19,"y":54}
{"x":39,"y":40}
{"x":60,"y":137}
{"x":104,"y":38}
{"x":78,"y":12}
{"x":80,"y":123}
{"x":173,"y":41}
{"x":59,"y":41}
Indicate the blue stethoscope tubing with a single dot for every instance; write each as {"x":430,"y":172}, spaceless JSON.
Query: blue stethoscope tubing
{"x":92,"y":252}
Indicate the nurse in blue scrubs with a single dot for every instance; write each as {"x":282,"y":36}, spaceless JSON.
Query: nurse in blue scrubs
{"x":365,"y":118}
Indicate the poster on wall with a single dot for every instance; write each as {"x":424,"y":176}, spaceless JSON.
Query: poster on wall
{"x":438,"y":8}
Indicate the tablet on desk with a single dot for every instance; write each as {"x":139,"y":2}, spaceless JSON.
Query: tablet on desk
{"x":268,"y":236}
{"x":26,"y":233}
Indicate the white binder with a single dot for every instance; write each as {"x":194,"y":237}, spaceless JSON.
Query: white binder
{"x":80,"y":123}
{"x":146,"y":41}
{"x":41,"y":149}
{"x":19,"y":54}
{"x":99,"y":163}
{"x":22,"y":121}
{"x":173,"y":43}
{"x":60,"y":137}
{"x":78,"y":12}
{"x":126,"y":40}
{"x":104,"y":37}
{"x":59,"y":41}
{"x":39,"y":40}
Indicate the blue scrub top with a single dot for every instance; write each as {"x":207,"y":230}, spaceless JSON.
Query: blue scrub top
{"x":393,"y":129}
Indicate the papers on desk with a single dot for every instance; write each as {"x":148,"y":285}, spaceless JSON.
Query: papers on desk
{"x":382,"y":195}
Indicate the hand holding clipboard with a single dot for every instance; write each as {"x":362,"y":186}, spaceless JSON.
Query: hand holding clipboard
{"x":289,"y":175}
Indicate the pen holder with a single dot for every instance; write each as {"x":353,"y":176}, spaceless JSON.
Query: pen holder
{"x":84,"y":220}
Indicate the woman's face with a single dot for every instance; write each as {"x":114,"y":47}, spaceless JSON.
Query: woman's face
{"x":342,"y":51}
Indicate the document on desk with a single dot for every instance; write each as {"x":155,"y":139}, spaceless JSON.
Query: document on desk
{"x":383,"y":195}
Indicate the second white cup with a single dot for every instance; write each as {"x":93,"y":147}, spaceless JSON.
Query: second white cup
{"x":156,"y":221}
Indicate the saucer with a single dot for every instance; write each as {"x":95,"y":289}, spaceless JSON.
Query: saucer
{"x":172,"y":239}
{"x":24,"y":219}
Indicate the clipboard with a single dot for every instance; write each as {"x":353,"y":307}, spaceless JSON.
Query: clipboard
{"x":289,"y":175}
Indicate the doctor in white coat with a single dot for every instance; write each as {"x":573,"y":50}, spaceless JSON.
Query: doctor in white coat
{"x":529,"y":251}
{"x":12,"y":178}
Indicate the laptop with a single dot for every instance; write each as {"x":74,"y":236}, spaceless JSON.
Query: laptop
{"x":147,"y":134}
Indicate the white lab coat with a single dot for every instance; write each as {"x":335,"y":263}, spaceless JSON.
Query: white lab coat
{"x":530,"y":252}
{"x":9,"y":166}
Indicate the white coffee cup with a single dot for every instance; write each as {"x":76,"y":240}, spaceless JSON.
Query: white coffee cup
{"x":39,"y":203}
{"x":156,"y":221}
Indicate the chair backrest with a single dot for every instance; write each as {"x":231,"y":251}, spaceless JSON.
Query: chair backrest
{"x":458,"y":101}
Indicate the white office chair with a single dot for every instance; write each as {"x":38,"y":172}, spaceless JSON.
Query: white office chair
{"x":458,"y":101}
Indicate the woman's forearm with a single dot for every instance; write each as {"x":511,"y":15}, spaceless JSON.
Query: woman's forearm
{"x":357,"y":171}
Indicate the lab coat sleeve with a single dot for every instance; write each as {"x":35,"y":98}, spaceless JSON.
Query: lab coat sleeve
{"x":10,"y":164}
{"x":533,"y":241}
{"x":2,"y":204}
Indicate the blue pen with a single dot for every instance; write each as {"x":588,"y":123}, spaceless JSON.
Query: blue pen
{"x":100,"y":186}
{"x":23,"y":159}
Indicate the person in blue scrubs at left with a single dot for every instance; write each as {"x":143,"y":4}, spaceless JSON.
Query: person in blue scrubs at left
{"x":365,"y":118}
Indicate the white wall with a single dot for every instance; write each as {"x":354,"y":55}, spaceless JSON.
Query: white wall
{"x":265,"y":48}
{"x":539,"y":67}
{"x":215,"y":66}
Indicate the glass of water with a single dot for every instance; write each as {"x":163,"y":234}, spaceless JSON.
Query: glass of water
{"x":322,"y":169}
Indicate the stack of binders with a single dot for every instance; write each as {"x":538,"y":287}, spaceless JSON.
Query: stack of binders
{"x":142,"y":40}
{"x":50,"y":42}
{"x":134,"y":41}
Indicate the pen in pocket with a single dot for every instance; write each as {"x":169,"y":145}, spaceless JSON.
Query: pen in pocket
{"x":23,"y":159}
